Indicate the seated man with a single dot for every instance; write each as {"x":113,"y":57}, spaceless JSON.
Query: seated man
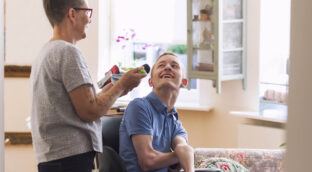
{"x":151,"y":136}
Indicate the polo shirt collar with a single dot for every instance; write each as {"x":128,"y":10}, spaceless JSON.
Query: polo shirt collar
{"x":159,"y":105}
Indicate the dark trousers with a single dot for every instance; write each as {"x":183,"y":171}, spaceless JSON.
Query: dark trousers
{"x":77,"y":163}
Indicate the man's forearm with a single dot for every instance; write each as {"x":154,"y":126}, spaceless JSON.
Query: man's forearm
{"x":157,"y":160}
{"x":185,"y":156}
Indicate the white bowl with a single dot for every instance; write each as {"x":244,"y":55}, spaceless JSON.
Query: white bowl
{"x":115,"y":78}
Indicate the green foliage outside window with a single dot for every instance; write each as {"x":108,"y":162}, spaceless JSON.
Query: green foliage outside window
{"x":178,"y":49}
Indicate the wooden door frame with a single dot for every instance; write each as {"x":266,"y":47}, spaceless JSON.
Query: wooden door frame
{"x":1,"y":85}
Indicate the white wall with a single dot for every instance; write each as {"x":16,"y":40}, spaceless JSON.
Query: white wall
{"x":1,"y":88}
{"x":299,"y":138}
{"x":27,"y":31}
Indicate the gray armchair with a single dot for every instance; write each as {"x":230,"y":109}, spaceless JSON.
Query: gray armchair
{"x":109,"y":160}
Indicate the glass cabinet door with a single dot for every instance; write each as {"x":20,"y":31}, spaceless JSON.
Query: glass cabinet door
{"x":233,"y":33}
{"x":203,"y":35}
{"x":216,"y":40}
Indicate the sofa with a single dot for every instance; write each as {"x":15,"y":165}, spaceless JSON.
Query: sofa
{"x":254,"y":160}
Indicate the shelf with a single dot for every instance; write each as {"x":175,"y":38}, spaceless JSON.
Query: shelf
{"x":15,"y":138}
{"x":257,"y":116}
{"x":233,"y":49}
{"x":272,"y":102}
{"x":233,"y":21}
{"x":194,"y":21}
{"x":196,"y":47}
{"x":269,"y":83}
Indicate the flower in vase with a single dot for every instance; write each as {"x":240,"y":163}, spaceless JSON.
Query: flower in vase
{"x":125,"y":41}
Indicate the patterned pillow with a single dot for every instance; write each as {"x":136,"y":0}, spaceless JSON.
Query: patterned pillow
{"x":226,"y":165}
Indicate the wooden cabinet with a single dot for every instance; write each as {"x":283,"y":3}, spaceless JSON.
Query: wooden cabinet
{"x":216,"y":40}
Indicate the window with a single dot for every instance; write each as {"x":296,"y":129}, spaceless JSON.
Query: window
{"x":139,"y":31}
{"x":274,"y":57}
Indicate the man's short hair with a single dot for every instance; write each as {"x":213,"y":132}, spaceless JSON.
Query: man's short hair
{"x":172,"y":54}
{"x":57,"y":9}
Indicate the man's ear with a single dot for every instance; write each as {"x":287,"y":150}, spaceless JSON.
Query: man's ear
{"x":150,"y":82}
{"x":184,"y":83}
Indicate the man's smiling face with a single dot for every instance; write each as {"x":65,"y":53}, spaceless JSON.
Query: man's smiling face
{"x":167,"y":72}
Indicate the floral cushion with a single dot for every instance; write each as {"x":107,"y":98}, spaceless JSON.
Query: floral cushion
{"x":226,"y":165}
{"x":255,"y":160}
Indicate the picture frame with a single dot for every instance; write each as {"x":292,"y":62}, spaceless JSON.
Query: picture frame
{"x":16,"y":71}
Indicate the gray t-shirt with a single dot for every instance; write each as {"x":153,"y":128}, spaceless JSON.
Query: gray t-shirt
{"x":57,"y":130}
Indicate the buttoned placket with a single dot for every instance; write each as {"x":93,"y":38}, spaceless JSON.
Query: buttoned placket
{"x":173,"y":119}
{"x":167,"y":115}
{"x":165,"y":122}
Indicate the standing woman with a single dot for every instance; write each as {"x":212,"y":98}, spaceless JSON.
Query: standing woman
{"x":66,"y":111}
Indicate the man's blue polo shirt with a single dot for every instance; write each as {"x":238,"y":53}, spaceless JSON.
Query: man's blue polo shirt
{"x":148,"y":116}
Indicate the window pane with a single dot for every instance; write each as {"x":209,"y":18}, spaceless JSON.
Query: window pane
{"x":274,"y":42}
{"x":232,"y":63}
{"x":232,"y":35}
{"x":232,"y":9}
{"x":141,"y":30}
{"x":274,"y":55}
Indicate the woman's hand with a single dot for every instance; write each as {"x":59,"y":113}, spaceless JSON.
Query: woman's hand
{"x":131,"y":79}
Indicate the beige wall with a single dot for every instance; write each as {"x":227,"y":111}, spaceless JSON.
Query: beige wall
{"x":20,"y":158}
{"x":206,"y":129}
{"x":28,"y":29}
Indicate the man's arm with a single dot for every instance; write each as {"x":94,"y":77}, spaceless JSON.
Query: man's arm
{"x":91,"y":107}
{"x":184,"y":152}
{"x":148,"y":158}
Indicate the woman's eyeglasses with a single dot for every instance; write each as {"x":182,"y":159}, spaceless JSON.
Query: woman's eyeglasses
{"x":88,"y":10}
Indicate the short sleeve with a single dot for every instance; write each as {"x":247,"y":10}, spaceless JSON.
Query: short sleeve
{"x":74,"y":70}
{"x":179,"y":130}
{"x":137,"y":119}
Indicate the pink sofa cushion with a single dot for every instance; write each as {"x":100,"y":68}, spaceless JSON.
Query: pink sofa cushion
{"x":226,"y":165}
{"x":255,"y":160}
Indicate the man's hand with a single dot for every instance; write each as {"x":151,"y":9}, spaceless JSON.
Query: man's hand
{"x":175,"y":168}
{"x":131,"y":79}
{"x":184,"y":152}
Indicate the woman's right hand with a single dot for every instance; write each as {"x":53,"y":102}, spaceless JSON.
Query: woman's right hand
{"x":131,"y":79}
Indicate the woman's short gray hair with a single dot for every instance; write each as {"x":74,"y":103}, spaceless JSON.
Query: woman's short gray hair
{"x":57,"y":9}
